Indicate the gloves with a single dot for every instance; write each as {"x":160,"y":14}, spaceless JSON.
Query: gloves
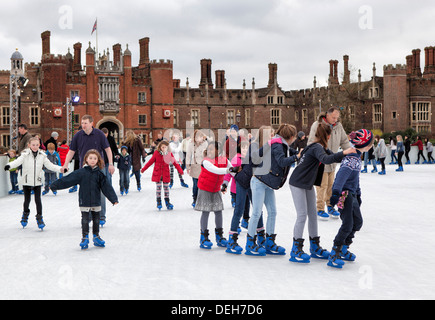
{"x":7,"y":167}
{"x":234,"y":169}
{"x":224,"y":188}
{"x":334,"y":198}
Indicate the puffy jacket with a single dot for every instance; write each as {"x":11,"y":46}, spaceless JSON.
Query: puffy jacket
{"x":92,"y":182}
{"x":280,"y":159}
{"x":31,"y":172}
{"x":310,"y":169}
{"x":419,"y":144}
{"x":161,"y":166}
{"x":63,"y":151}
{"x":209,"y":181}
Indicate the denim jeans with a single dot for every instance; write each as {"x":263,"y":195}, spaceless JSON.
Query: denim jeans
{"x":14,"y":180}
{"x":195,"y":188}
{"x":50,"y":177}
{"x":243,"y":200}
{"x":124,"y":179}
{"x":262,"y":194}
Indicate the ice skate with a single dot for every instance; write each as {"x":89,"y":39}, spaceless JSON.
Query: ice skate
{"x":252,"y":248}
{"x":316,"y":250}
{"x":232,"y":245}
{"x":334,"y":258}
{"x":272,"y":247}
{"x":297,"y":254}
{"x":204,"y":241}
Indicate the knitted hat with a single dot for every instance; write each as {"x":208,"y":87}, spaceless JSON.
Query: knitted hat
{"x":54,"y":134}
{"x":301,"y":134}
{"x":234,"y":127}
{"x":361,"y":138}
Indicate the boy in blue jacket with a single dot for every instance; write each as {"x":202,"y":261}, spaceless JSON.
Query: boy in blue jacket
{"x":124,"y":165}
{"x":346,"y":193}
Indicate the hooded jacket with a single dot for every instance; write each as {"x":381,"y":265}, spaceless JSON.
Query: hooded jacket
{"x":280,"y":157}
{"x":161,"y":166}
{"x":92,"y":182}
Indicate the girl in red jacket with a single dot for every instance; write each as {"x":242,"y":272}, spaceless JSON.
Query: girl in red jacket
{"x":213,"y":169}
{"x":161,"y":158}
{"x":419,"y":144}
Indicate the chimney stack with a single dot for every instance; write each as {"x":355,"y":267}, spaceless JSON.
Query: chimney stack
{"x":346,"y":77}
{"x":117,"y":55}
{"x":273,"y":74}
{"x":144,"y":44}
{"x":77,"y":66}
{"x":206,"y":74}
{"x":220,"y":79}
{"x":45,"y":36}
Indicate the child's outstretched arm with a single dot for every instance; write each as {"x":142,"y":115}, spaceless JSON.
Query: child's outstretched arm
{"x":108,"y":190}
{"x":149,"y":163}
{"x":68,"y":181}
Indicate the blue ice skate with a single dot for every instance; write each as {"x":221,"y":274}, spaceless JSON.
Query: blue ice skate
{"x":40,"y":223}
{"x":297,"y":254}
{"x":232,"y":245}
{"x":316,"y":250}
{"x":204,"y":241}
{"x":272,"y":247}
{"x":85,"y":242}
{"x":220,"y":240}
{"x":346,"y":255}
{"x":252,"y":248}
{"x":334,"y":258}
{"x":333,"y":213}
{"x":169,"y":205}
{"x":24,"y":219}
{"x":98,"y":242}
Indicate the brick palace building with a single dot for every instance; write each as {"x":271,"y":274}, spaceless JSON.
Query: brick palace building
{"x":146,"y":99}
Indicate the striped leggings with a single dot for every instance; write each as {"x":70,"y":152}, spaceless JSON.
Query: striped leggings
{"x":159,"y":189}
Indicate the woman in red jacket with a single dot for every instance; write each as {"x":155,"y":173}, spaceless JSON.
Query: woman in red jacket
{"x":210,"y":180}
{"x":62,"y":150}
{"x":161,"y":158}
{"x":419,"y":144}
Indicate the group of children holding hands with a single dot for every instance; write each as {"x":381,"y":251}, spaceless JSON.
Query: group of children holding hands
{"x":260,"y":167}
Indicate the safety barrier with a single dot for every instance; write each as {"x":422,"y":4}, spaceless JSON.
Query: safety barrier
{"x":5,"y":184}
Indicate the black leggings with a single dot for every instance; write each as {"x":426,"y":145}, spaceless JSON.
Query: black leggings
{"x":27,"y":193}
{"x":95,"y":222}
{"x":420,"y":153}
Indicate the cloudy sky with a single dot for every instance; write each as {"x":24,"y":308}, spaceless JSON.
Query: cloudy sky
{"x":240,"y":36}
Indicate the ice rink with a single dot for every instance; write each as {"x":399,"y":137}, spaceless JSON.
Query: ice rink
{"x":156,"y":255}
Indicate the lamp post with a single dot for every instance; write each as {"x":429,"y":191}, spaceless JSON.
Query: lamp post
{"x":70,"y":116}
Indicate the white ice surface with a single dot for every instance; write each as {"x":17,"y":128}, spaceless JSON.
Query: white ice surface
{"x":155,"y":255}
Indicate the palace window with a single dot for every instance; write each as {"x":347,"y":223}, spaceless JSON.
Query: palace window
{"x":141,"y":97}
{"x":142,"y":119}
{"x":108,"y":89}
{"x":194,"y":117}
{"x":275,"y":117}
{"x":305,"y":117}
{"x":230,"y":117}
{"x":377,"y":113}
{"x":6,"y":119}
{"x":421,"y":116}
{"x":34,"y":116}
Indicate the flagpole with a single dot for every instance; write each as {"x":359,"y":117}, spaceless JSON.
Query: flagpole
{"x":96,"y":36}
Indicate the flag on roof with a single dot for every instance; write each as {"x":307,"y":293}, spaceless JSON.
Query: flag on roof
{"x":95,"y":27}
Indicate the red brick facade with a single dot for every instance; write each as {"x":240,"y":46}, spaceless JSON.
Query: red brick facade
{"x":147,"y":100}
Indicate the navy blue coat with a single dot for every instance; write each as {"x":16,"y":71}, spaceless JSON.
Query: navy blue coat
{"x":92,"y":182}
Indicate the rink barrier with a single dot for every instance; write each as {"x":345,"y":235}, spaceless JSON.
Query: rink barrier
{"x":5,"y":184}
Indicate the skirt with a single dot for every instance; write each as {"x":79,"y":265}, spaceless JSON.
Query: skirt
{"x":209,"y":201}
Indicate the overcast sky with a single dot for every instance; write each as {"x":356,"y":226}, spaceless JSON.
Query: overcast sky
{"x":240,"y":36}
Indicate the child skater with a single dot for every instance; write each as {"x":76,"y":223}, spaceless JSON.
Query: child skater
{"x":346,"y":193}
{"x":124,"y":166}
{"x":308,"y":173}
{"x":266,"y":179}
{"x":51,"y":176}
{"x":214,"y":167}
{"x":243,"y":191}
{"x":92,"y":182}
{"x":13,"y":174}
{"x":32,"y":160}
{"x":162,"y":157}
{"x":381,"y":153}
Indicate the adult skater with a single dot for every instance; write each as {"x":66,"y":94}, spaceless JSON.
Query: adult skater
{"x":83,"y":141}
{"x":338,"y":139}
